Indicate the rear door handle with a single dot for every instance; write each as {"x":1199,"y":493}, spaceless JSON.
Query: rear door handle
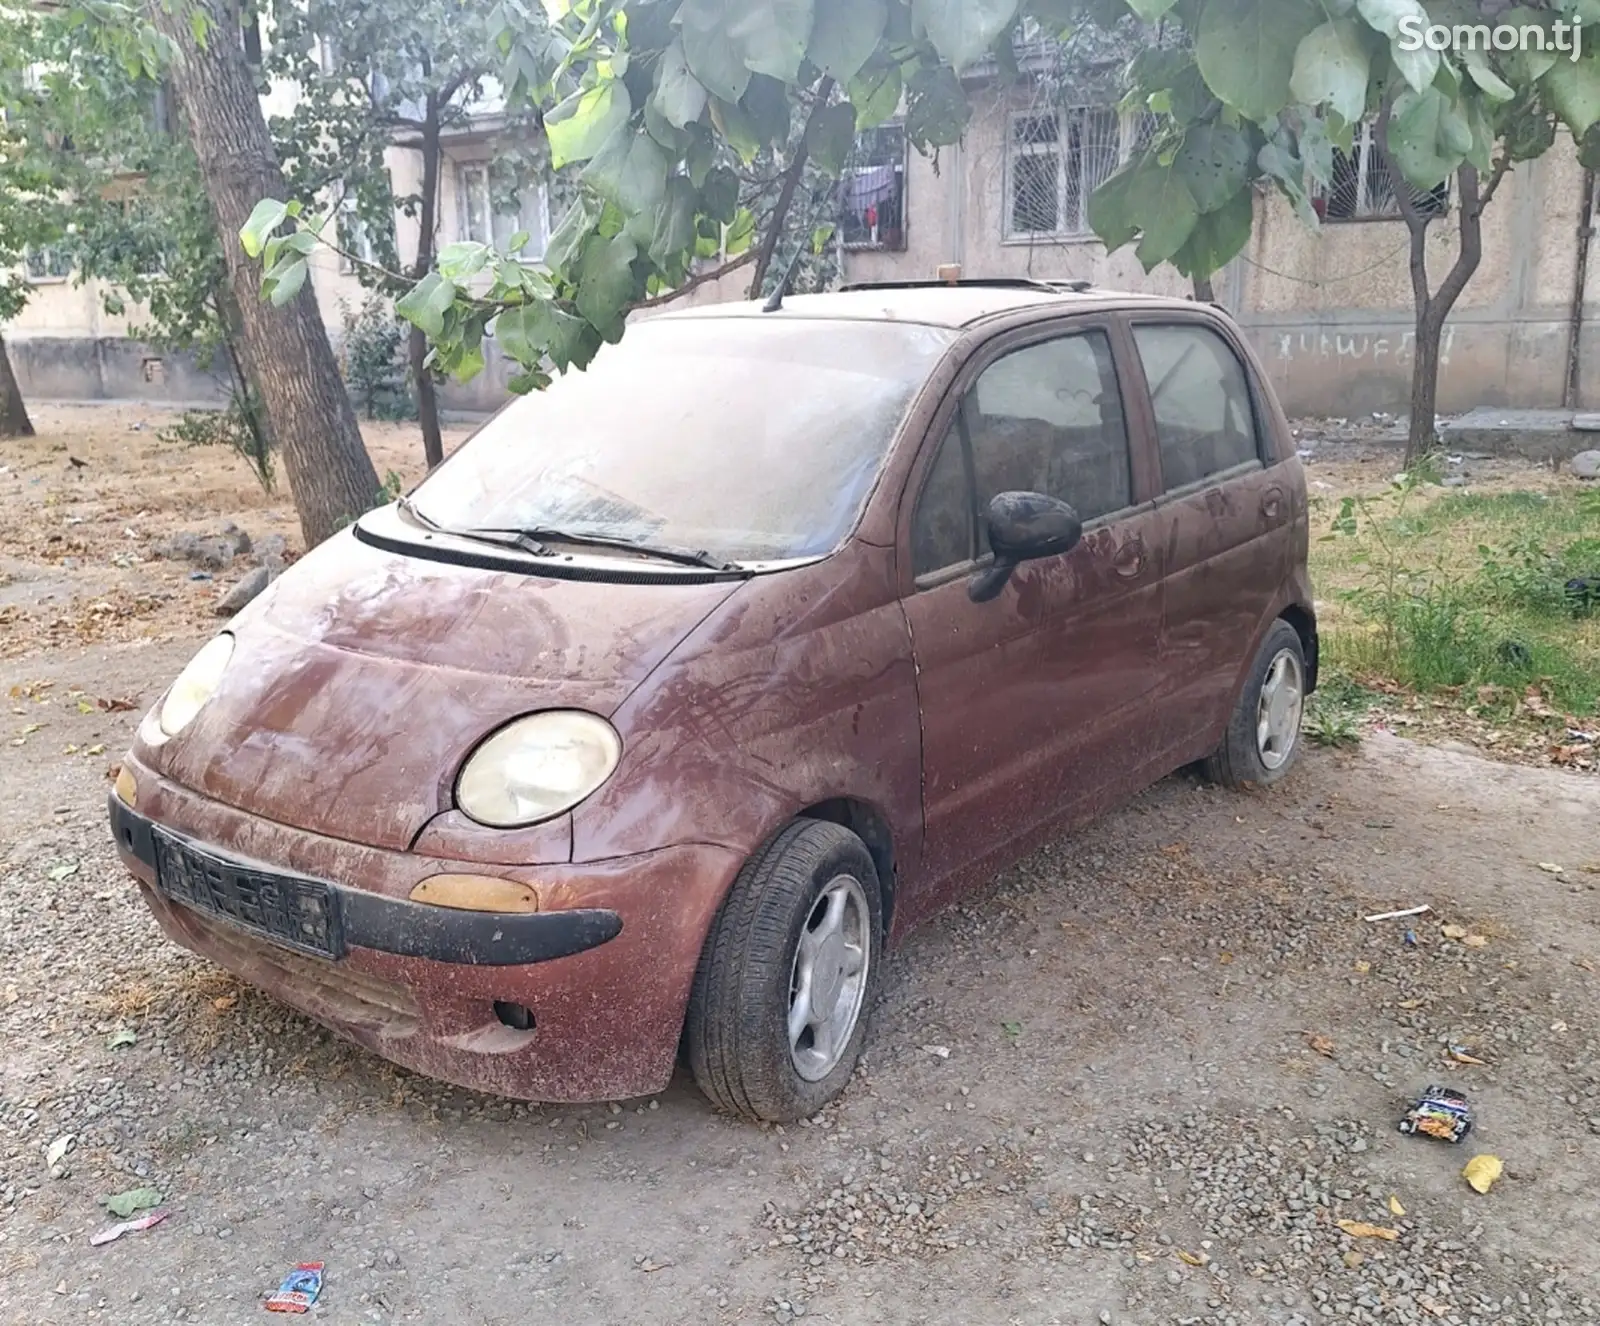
{"x":1272,"y":503}
{"x":1129,"y":561}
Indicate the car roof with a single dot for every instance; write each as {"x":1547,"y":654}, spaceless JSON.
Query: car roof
{"x":935,"y":304}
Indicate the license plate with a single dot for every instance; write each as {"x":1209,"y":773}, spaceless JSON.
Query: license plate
{"x":291,"y":910}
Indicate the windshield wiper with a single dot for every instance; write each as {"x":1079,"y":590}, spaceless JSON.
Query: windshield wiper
{"x":535,"y":539}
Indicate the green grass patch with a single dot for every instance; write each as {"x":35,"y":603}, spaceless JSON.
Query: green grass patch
{"x":1444,"y":591}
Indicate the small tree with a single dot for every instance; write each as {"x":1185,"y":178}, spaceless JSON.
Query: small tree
{"x":370,"y":75}
{"x":1270,"y":90}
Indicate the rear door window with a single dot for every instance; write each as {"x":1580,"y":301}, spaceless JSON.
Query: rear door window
{"x":1205,"y":419}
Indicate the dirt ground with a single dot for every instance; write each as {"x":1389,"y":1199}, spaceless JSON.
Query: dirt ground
{"x":1141,"y":1078}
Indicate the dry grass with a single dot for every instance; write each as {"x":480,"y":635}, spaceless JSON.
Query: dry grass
{"x":76,"y":564}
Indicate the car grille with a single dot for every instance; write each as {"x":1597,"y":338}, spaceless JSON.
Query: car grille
{"x":298,"y":913}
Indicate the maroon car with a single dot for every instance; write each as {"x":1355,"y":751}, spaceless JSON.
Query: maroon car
{"x":686,"y":687}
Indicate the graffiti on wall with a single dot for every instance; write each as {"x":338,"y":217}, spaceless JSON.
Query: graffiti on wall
{"x":1358,"y":346}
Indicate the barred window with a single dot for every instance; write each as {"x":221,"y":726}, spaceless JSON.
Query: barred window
{"x":1057,"y":158}
{"x":1362,"y":186}
{"x":872,"y":190}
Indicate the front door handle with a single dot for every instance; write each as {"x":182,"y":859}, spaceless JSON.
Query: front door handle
{"x":1129,"y":561}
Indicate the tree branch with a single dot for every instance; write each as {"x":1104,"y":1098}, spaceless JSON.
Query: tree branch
{"x":695,"y":282}
{"x":1405,"y":199}
{"x":1502,"y":168}
{"x":791,"y":182}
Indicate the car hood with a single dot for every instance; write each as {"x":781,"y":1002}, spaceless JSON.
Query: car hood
{"x":363,"y":678}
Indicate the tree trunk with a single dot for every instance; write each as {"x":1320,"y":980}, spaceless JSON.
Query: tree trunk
{"x":791,"y":182}
{"x":307,"y":406}
{"x":14,"y":421}
{"x":428,"y":223}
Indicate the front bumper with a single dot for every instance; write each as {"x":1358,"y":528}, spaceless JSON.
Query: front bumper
{"x":604,"y":966}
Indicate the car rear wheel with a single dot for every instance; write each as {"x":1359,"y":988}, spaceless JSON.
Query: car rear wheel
{"x":786,"y":979}
{"x":1263,"y":738}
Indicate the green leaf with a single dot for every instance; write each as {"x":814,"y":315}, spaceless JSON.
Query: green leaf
{"x":199,"y":26}
{"x":709,"y":48}
{"x":1218,"y":236}
{"x":673,"y":232}
{"x":962,"y":30}
{"x":1214,"y":163}
{"x":719,"y":197}
{"x":679,"y":96}
{"x":267,"y":217}
{"x":1160,"y":203}
{"x":1246,"y":49}
{"x":286,"y":281}
{"x":767,"y":102}
{"x":1424,"y":138}
{"x":833,"y":134}
{"x":1331,"y":67}
{"x":1529,"y":64}
{"x":876,"y":95}
{"x":737,"y":127}
{"x":844,"y":35}
{"x":936,"y":107}
{"x":582,"y":124}
{"x":605,"y":282}
{"x":426,"y":303}
{"x":821,"y":237}
{"x":125,"y":1204}
{"x":1148,"y":11}
{"x":630,"y":171}
{"x":1572,"y":89}
{"x":1485,"y":77}
{"x":468,"y":363}
{"x":1108,"y":210}
{"x":459,"y":261}
{"x":772,"y":35}
{"x":1418,"y":67}
{"x":740,"y":233}
{"x":575,"y":228}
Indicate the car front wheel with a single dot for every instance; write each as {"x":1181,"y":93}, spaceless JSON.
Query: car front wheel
{"x":785,"y":981}
{"x":1263,"y":737}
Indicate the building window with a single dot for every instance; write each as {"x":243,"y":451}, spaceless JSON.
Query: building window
{"x":355,"y":238}
{"x":47,"y":264}
{"x":1056,"y":158}
{"x":1362,"y":187}
{"x":872,"y":191}
{"x":480,"y":220}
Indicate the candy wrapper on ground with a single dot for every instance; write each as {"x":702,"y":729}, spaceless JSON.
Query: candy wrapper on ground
{"x":1441,"y":1113}
{"x":299,"y":1289}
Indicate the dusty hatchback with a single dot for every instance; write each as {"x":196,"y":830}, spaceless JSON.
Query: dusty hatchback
{"x":679,"y":692}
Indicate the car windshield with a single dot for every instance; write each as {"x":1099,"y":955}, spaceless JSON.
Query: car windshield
{"x":750,"y":439}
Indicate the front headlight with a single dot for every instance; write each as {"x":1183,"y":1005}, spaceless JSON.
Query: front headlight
{"x":536,"y":768}
{"x":195,"y":685}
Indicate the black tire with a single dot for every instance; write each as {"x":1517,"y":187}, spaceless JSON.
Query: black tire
{"x":1238,"y":762}
{"x":736,"y":1031}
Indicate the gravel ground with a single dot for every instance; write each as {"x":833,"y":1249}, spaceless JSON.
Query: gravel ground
{"x":1139,"y":1080}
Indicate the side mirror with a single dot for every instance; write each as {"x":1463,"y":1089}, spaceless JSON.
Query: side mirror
{"x":1024,"y":527}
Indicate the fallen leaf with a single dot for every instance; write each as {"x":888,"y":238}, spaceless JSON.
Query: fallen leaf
{"x":62,"y":871}
{"x":1225,"y":958}
{"x":1475,"y":941}
{"x":1411,"y":1003}
{"x":1551,"y":868}
{"x":124,"y":1204}
{"x":120,"y":1037}
{"x":1012,"y":1029}
{"x":938,"y":1051}
{"x":1321,"y":1044}
{"x":1482,"y":1171}
{"x":1453,"y":931}
{"x":95,"y":750}
{"x":1359,"y":1229}
{"x":1362,"y":968}
{"x":1394,"y":1206}
{"x":1460,"y":1056}
{"x":1191,"y":1259}
{"x":224,"y":1002}
{"x":116,"y":705}
{"x":1558,"y":1027}
{"x":58,"y":1149}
